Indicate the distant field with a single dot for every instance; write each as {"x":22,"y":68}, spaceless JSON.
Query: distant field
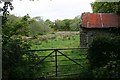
{"x":57,"y":40}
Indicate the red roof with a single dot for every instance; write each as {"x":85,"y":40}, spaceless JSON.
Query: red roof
{"x":100,"y":20}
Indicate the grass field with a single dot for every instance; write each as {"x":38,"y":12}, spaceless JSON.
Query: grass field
{"x":59,"y":40}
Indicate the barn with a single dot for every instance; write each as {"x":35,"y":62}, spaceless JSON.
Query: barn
{"x":97,"y":24}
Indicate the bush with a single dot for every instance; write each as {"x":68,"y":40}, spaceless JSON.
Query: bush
{"x":104,"y":56}
{"x":14,"y":48}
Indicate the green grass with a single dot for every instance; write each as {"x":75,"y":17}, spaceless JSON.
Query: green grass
{"x":71,"y":41}
{"x":58,"y":43}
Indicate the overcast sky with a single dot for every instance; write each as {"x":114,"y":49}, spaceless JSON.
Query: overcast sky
{"x":55,"y":9}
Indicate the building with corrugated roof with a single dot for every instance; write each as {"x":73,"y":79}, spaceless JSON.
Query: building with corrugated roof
{"x":97,"y":24}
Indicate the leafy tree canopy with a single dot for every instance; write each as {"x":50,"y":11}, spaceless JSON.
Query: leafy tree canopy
{"x":106,"y":7}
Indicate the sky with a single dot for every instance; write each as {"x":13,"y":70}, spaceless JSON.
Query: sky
{"x":51,"y":9}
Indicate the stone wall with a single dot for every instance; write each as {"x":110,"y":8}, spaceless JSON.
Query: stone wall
{"x":88,"y":34}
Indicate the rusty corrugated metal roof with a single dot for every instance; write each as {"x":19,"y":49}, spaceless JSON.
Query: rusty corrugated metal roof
{"x":100,"y":20}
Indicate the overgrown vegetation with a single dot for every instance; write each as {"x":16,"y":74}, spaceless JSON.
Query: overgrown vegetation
{"x":25,"y":33}
{"x":13,"y":48}
{"x":19,"y":34}
{"x":104,"y":52}
{"x":67,"y":24}
{"x":106,"y":7}
{"x":104,"y":57}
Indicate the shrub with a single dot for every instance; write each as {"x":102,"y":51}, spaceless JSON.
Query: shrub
{"x":14,"y":48}
{"x":104,"y":56}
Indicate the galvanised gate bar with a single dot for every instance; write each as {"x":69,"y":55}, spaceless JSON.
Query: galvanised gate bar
{"x":58,"y":63}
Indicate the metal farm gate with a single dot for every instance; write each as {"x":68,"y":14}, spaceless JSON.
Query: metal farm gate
{"x":58,"y":63}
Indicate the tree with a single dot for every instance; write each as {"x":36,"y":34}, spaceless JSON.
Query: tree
{"x":38,"y":26}
{"x":67,"y":24}
{"x":7,"y":4}
{"x":106,"y":7}
{"x":49,"y":23}
{"x":75,"y":23}
{"x":62,"y":25}
{"x":13,"y":46}
{"x":58,"y":25}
